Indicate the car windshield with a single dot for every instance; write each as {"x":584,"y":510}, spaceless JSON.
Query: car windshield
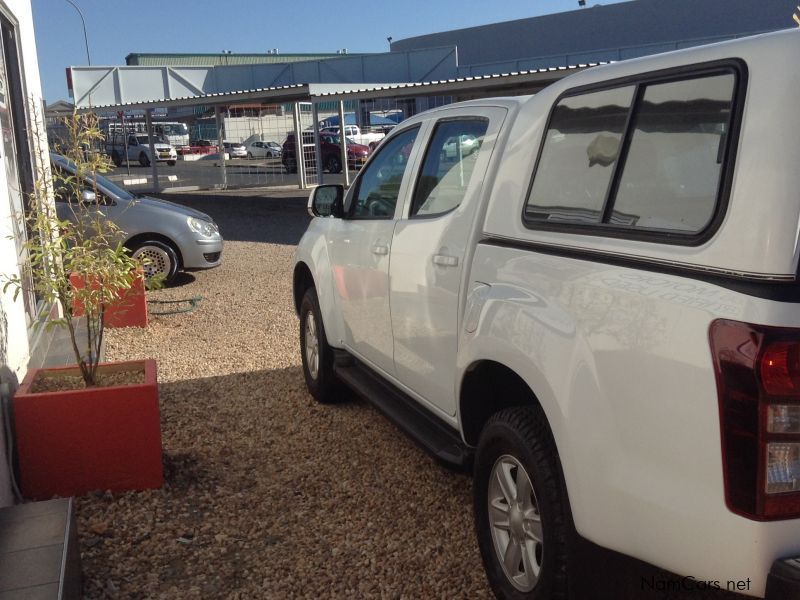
{"x":112,"y":189}
{"x":144,"y":140}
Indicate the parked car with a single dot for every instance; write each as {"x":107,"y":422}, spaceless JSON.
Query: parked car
{"x":259,"y":149}
{"x":358,"y":135}
{"x":462,"y":145}
{"x":235,"y":149}
{"x":330,"y":149}
{"x":137,"y":147}
{"x":596,"y":312}
{"x":203,"y":147}
{"x":172,"y":237}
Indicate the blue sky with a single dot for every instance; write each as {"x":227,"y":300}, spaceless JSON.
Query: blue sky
{"x":116,"y":28}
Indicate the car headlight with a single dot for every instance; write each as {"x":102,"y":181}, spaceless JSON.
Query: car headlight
{"x":206,"y":228}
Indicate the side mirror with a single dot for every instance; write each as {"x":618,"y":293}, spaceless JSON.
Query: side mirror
{"x":326,"y":201}
{"x":88,"y":197}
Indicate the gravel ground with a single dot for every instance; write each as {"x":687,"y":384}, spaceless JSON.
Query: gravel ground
{"x":268,"y":494}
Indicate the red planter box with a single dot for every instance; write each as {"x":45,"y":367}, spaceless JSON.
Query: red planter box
{"x":129,"y":311}
{"x":104,"y":438}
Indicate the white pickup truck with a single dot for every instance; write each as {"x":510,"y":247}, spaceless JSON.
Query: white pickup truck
{"x":136,"y":147}
{"x":358,"y":135}
{"x":597,"y":310}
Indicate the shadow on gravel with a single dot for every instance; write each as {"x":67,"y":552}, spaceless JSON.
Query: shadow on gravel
{"x":247,"y":217}
{"x":182,"y":278}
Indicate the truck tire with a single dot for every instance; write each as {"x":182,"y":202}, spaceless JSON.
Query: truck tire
{"x":116,"y":159}
{"x":520,"y":506}
{"x":317,"y":355}
{"x":144,"y":160}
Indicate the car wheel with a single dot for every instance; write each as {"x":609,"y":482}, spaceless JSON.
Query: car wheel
{"x":161,"y":258}
{"x":269,"y":154}
{"x":317,"y":355}
{"x":250,"y":155}
{"x":333,"y":164}
{"x":143,"y":160}
{"x":520,"y":506}
{"x":116,"y":159}
{"x":172,"y":163}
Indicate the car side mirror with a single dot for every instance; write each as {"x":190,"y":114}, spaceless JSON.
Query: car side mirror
{"x":88,"y":197}
{"x":326,"y":201}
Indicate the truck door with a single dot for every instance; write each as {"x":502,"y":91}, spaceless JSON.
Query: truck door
{"x":431,"y":249}
{"x":359,"y":246}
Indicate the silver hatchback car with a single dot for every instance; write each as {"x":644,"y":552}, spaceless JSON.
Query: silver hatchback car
{"x":172,"y":237}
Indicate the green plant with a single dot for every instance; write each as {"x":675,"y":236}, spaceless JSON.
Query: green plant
{"x":86,"y":244}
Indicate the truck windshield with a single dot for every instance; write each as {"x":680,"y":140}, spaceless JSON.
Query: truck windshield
{"x":174,"y":129}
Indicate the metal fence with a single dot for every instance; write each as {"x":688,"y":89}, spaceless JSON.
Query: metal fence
{"x":252,"y":144}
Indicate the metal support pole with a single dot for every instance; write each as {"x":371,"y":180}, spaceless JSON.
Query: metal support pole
{"x":317,"y":149}
{"x":343,"y":142}
{"x":125,"y":141}
{"x":148,"y":122}
{"x":298,"y":148}
{"x":220,"y":147}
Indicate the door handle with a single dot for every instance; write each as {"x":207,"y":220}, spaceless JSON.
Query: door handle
{"x":445,"y":260}
{"x":380,"y":249}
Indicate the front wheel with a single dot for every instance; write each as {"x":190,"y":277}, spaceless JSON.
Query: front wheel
{"x":333,"y":164}
{"x":160,"y":259}
{"x":317,"y":355}
{"x":144,"y":160}
{"x":521,"y":509}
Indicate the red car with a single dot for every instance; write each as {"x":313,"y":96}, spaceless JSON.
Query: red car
{"x":330,"y":149}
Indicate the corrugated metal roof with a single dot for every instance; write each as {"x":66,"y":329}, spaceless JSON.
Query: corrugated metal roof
{"x":307,"y":92}
{"x":222,"y":59}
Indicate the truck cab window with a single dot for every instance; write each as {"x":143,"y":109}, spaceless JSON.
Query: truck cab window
{"x":378,"y":187}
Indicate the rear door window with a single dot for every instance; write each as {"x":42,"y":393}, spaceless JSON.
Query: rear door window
{"x":448,"y":166}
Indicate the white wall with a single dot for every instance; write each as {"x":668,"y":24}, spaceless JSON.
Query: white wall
{"x":12,"y":316}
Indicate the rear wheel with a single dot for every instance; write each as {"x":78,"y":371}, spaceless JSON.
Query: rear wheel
{"x":161,"y":259}
{"x":521,"y":509}
{"x":116,"y":159}
{"x":317,"y":355}
{"x":144,"y":160}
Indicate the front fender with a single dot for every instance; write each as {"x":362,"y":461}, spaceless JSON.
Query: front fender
{"x":313,"y":252}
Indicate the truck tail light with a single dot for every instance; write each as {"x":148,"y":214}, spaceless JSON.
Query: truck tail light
{"x":758,"y":384}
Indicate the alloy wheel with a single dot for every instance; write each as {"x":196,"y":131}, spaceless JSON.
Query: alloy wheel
{"x":515,"y":523}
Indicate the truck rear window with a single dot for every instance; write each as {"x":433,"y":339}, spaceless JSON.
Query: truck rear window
{"x":642,"y":157}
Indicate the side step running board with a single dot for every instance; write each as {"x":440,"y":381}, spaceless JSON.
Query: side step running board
{"x":439,"y":439}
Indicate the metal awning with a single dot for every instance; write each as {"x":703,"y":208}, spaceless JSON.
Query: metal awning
{"x":521,"y":82}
